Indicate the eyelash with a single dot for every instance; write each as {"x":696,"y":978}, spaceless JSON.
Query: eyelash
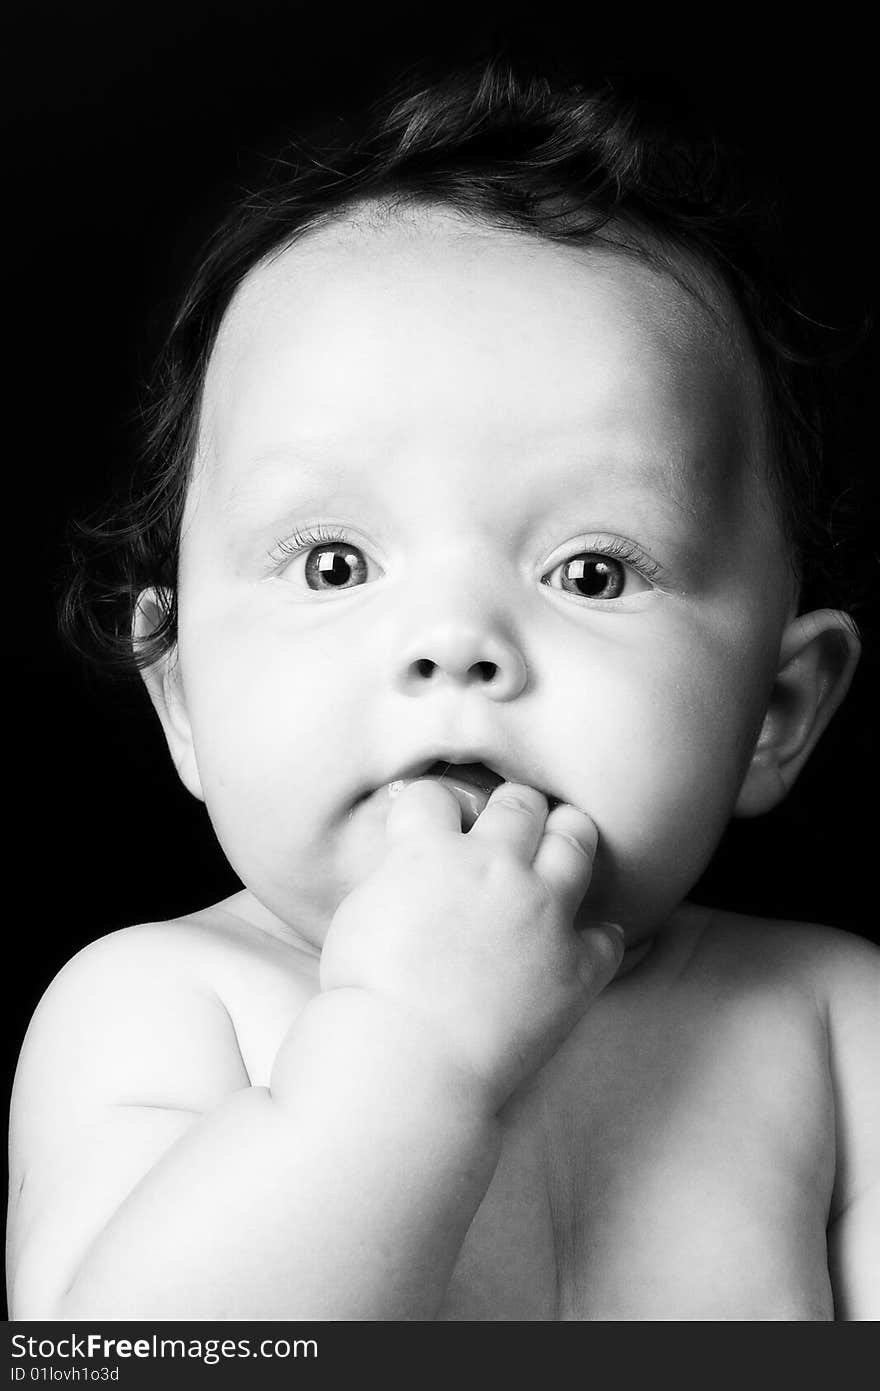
{"x":300,"y":541}
{"x":617,"y":548}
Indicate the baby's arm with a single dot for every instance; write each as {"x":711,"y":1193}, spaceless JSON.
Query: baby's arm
{"x":158,"y":1183}
{"x":853,"y":981}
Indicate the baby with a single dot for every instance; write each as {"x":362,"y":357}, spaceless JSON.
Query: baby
{"x":466,"y":578}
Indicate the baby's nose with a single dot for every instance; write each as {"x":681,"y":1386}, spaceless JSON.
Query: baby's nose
{"x":464,"y":655}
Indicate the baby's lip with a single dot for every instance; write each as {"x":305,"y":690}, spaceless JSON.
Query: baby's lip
{"x":472,"y":782}
{"x":474,"y":774}
{"x":468,"y":783}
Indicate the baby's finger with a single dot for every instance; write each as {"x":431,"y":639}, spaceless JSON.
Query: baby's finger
{"x":419,"y":808}
{"x":515,"y":815}
{"x":601,"y":951}
{"x":565,"y":856}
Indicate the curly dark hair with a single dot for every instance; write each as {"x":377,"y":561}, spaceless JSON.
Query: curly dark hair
{"x":543,"y":157}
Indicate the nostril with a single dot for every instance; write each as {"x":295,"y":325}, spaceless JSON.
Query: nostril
{"x":462,"y":656}
{"x":486,"y":671}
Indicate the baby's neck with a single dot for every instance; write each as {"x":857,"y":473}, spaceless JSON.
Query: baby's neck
{"x":634,"y":955}
{"x":671,"y":945}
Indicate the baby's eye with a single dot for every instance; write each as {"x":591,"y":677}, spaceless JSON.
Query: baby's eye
{"x":589,"y":575}
{"x":321,"y":560}
{"x":337,"y":565}
{"x":618,"y":568}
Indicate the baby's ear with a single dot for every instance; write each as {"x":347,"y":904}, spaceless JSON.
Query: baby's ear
{"x":165,"y":685}
{"x":818,"y":655}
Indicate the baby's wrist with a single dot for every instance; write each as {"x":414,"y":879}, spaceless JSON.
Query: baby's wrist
{"x":363,"y":1033}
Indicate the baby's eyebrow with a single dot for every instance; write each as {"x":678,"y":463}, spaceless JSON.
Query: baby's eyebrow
{"x":680,"y":482}
{"x":324,"y":467}
{"x":320,"y":467}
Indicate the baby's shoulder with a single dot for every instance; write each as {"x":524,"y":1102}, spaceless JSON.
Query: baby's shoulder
{"x":155,"y":1008}
{"x":819,"y":986}
{"x":754,"y":988}
{"x":140,"y":1034}
{"x":788,"y":970}
{"x":838,"y":971}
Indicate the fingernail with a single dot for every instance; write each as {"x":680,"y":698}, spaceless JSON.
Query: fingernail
{"x":617,"y":935}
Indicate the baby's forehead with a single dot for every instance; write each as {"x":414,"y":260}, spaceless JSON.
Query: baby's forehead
{"x":669,"y":295}
{"x":376,"y":321}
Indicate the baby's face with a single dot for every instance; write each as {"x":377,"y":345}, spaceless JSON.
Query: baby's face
{"x":466,"y":497}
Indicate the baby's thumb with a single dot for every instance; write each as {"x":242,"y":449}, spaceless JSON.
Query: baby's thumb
{"x":601,"y":952}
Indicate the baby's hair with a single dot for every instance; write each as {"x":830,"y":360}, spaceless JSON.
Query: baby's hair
{"x":531,"y":154}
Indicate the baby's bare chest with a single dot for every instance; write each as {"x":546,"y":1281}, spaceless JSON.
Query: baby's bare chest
{"x":674,"y":1160}
{"x":661,"y":1171}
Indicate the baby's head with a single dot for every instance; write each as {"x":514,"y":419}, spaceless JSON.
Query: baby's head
{"x":481,"y":446}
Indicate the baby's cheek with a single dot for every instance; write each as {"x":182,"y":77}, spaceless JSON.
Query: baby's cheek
{"x":663,"y":783}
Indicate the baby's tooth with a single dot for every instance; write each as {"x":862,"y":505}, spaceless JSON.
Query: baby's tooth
{"x":472,"y":801}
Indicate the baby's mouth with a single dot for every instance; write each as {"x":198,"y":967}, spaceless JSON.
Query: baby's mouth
{"x":471,"y":784}
{"x":478,"y":775}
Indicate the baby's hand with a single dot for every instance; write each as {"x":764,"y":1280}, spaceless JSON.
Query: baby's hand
{"x":471,"y":935}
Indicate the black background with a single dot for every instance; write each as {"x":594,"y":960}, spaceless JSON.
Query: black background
{"x":128,"y":127}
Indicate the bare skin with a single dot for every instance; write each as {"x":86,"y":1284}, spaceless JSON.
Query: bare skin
{"x":676,"y":1159}
{"x":461,"y":497}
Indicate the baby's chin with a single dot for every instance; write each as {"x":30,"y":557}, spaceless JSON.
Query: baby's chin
{"x":360,"y":842}
{"x":321,"y":871}
{"x":362,"y":839}
{"x":291,"y":891}
{"x":297,"y":891}
{"x":295,"y":882}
